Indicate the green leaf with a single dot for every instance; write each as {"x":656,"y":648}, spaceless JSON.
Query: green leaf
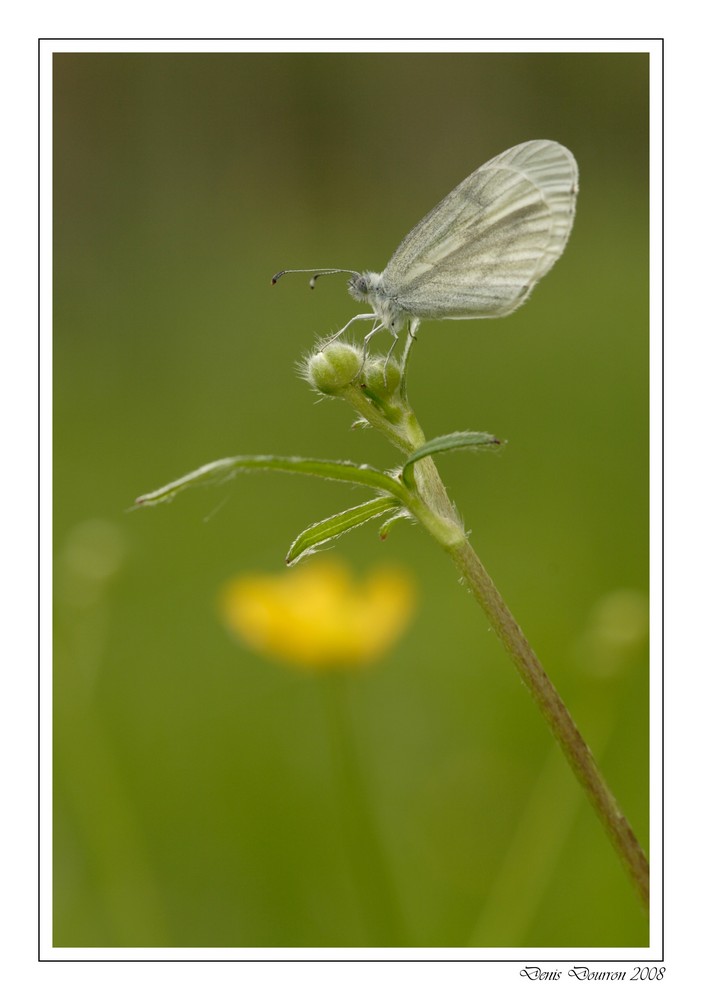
{"x":387,"y":526}
{"x":226,"y":468}
{"x":323,"y":531}
{"x":475,"y":440}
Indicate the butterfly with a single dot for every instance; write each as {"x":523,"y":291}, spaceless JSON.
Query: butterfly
{"x":480,"y":251}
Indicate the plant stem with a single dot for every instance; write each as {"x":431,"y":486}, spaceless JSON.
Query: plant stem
{"x":427,"y":500}
{"x":549,"y":702}
{"x":430,"y":504}
{"x":559,"y":720}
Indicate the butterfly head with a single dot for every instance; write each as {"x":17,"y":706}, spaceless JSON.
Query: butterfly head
{"x":365,"y":286}
{"x":370,"y":287}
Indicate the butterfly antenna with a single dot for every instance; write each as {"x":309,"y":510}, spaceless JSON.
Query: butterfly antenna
{"x":316,"y":273}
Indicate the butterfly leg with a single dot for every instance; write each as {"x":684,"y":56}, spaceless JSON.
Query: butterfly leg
{"x":412,"y":327}
{"x":345,"y":328}
{"x":395,"y":340}
{"x":367,"y":339}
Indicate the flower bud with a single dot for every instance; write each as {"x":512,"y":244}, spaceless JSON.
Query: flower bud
{"x":381,"y":377}
{"x":331,"y":370}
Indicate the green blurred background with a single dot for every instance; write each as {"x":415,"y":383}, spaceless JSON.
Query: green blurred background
{"x":199,"y":798}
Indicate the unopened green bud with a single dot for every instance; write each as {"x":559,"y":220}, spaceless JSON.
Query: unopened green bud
{"x":332,"y":369}
{"x":381,"y":377}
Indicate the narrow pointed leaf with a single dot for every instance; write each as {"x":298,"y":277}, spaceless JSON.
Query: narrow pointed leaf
{"x":331,"y":527}
{"x":387,"y":526}
{"x":226,"y":468}
{"x":474,"y":440}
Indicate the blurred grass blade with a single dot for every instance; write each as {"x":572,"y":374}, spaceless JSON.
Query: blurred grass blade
{"x":225,"y":468}
{"x":474,"y":440}
{"x":331,"y":527}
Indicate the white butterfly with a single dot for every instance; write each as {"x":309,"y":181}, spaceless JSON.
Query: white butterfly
{"x":480,"y":252}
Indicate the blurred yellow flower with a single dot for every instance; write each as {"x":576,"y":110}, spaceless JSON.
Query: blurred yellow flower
{"x":317,"y":617}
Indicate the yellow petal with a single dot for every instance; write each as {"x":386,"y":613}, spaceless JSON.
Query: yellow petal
{"x":317,"y":616}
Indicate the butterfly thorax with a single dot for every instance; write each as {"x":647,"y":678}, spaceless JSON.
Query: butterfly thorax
{"x":369,"y":287}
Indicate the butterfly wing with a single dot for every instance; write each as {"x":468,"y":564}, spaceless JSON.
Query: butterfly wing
{"x":483,"y":248}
